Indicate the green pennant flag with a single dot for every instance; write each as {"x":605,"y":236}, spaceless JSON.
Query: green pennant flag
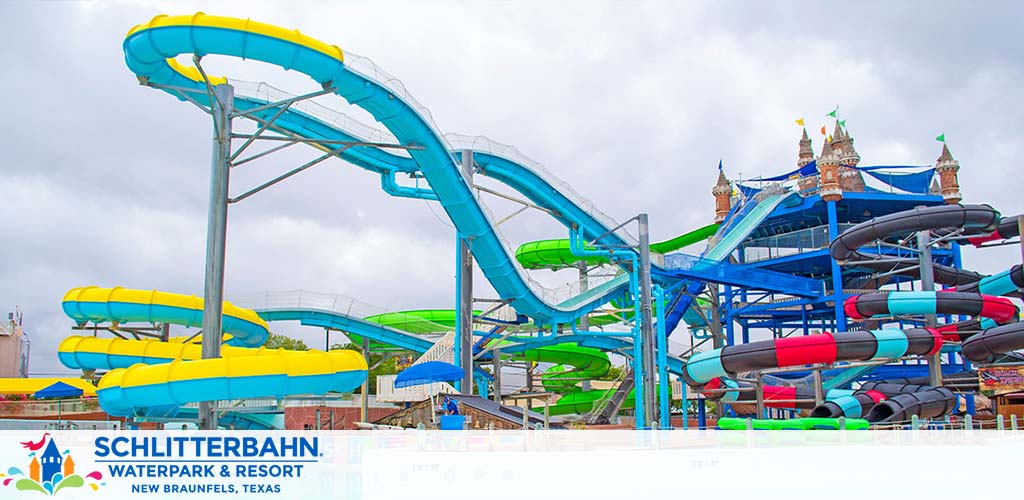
{"x":833,"y":113}
{"x":941,"y":138}
{"x":842,"y":123}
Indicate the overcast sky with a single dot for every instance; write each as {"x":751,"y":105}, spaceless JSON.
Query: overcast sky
{"x":104,"y":182}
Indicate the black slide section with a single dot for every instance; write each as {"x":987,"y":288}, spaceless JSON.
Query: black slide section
{"x":934,"y":402}
{"x":829,"y":409}
{"x":980,"y":219}
{"x":906,"y":400}
{"x":989,"y":344}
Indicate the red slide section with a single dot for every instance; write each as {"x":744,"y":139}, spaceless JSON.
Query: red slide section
{"x":811,"y":349}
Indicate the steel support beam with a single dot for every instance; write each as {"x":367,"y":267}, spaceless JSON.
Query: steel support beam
{"x":364,"y":400}
{"x":464,"y":333}
{"x":216,"y":236}
{"x":496,"y":356}
{"x":924,"y":248}
{"x":647,"y":323}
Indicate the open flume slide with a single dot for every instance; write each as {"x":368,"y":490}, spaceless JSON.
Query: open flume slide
{"x":556,"y":254}
{"x":737,"y":226}
{"x":152,"y":377}
{"x":149,"y":51}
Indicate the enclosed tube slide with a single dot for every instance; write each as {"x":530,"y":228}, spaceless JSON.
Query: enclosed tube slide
{"x":971,"y":219}
{"x":703,"y":367}
{"x":974,"y":295}
{"x":999,"y":309}
{"x":147,"y":375}
{"x":122,"y":305}
{"x":267,"y":373}
{"x":1009,"y":227}
{"x":149,"y":52}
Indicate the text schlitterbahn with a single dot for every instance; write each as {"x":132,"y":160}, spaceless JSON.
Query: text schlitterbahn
{"x":222,"y":458}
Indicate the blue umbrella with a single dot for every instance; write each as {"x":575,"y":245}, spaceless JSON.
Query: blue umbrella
{"x":428,"y":373}
{"x":58,"y":390}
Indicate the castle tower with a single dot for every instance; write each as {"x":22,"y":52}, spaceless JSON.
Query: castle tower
{"x":33,"y":470}
{"x":69,"y":466}
{"x":828,"y":171}
{"x":808,"y":183}
{"x":723,"y":196}
{"x":52,"y":461}
{"x":850,"y":179}
{"x":947,"y":168}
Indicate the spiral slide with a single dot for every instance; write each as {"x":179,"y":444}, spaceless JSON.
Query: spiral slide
{"x":149,"y":51}
{"x":585,"y":362}
{"x":974,"y":295}
{"x":151,"y":378}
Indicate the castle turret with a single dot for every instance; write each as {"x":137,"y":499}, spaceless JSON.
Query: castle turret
{"x":828,"y":171}
{"x":34,"y":470}
{"x":850,"y":179}
{"x":69,"y":466}
{"x":946,"y":166}
{"x":808,"y":183}
{"x":723,"y":196}
{"x":52,"y":461}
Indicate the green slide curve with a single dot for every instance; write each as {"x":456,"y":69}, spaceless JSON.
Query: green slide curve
{"x":555,"y":254}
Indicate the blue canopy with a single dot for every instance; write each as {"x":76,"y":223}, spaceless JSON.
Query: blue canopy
{"x":428,"y":373}
{"x":57,"y":390}
{"x":912,"y":183}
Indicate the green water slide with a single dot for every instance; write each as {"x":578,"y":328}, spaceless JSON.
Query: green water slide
{"x":572,"y":363}
{"x":555,"y":254}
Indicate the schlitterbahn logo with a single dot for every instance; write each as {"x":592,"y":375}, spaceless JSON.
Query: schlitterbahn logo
{"x":49,"y":471}
{"x":207,"y":463}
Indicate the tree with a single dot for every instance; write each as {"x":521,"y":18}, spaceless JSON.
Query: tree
{"x":388,"y":366}
{"x":614,"y":372}
{"x":275,"y":341}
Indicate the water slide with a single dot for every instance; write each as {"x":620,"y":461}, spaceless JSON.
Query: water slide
{"x":572,"y":362}
{"x":149,"y":51}
{"x":884,"y":401}
{"x":556,"y":254}
{"x":22,"y":385}
{"x":148,"y":377}
{"x":973,"y":295}
{"x":737,"y":226}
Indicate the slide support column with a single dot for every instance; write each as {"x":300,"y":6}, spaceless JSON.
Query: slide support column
{"x":647,"y":326}
{"x":496,"y":354}
{"x":216,"y":236}
{"x":837,"y":270}
{"x":364,"y":403}
{"x":664,"y":417}
{"x":464,"y":331}
{"x":924,"y":247}
{"x":584,"y":286}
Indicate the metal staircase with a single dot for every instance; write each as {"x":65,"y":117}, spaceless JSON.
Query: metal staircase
{"x":607,"y":408}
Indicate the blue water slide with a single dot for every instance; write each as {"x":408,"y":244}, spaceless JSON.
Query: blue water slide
{"x":737,"y":227}
{"x":146,"y":53}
